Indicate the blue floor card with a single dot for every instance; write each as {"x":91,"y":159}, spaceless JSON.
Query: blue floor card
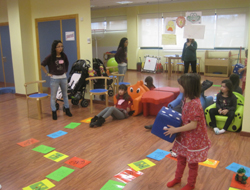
{"x":158,"y":154}
{"x":234,"y":167}
{"x":57,"y":134}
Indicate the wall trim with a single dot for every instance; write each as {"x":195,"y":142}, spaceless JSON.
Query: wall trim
{"x":245,"y":134}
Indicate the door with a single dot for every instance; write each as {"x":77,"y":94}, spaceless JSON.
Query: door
{"x":6,"y":67}
{"x":56,"y":29}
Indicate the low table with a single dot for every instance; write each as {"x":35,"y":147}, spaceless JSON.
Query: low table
{"x":176,"y":91}
{"x":154,"y":100}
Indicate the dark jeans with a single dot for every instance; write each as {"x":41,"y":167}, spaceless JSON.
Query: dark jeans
{"x":214,"y":111}
{"x":193,"y":65}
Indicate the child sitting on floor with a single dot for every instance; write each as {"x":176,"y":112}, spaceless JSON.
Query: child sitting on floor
{"x":226,"y":103}
{"x":120,"y":110}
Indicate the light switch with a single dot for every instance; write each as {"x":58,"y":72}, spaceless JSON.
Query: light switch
{"x":88,"y":40}
{"x":4,"y":59}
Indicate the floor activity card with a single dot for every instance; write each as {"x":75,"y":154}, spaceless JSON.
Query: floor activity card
{"x":28,"y":142}
{"x":77,"y":162}
{"x":43,"y":149}
{"x":158,"y":154}
{"x":57,"y":134}
{"x":141,"y":165}
{"x":60,"y":173}
{"x":56,"y":156}
{"x":41,"y":185}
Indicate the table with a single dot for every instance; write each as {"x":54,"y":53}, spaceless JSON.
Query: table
{"x":169,"y":58}
{"x":153,"y":101}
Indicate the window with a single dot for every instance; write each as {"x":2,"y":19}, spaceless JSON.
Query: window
{"x":109,"y":24}
{"x":227,"y":29}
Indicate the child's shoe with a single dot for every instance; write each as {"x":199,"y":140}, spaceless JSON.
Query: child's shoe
{"x":220,"y":131}
{"x":100,"y":121}
{"x":93,"y":121}
{"x":173,"y":182}
{"x":188,"y":187}
{"x":216,"y":130}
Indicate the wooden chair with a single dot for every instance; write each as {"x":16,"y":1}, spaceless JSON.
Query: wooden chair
{"x":99,"y":91}
{"x":38,"y":96}
{"x":111,"y":68}
{"x":116,"y":76}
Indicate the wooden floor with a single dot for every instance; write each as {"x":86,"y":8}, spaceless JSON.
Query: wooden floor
{"x":109,"y":148}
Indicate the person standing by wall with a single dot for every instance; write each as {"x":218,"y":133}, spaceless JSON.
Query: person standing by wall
{"x":121,"y":57}
{"x":189,"y":55}
{"x":58,"y":64}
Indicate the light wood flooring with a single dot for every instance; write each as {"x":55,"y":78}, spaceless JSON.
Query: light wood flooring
{"x":109,"y":148}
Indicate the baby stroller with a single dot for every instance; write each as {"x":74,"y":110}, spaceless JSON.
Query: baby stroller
{"x":100,"y":70}
{"x":76,"y":83}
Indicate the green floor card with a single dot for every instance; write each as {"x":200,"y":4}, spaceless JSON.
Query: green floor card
{"x":141,"y":165}
{"x":72,"y":125}
{"x":56,"y":156}
{"x":43,"y":149}
{"x":60,"y":173}
{"x":41,"y":185}
{"x":113,"y":185}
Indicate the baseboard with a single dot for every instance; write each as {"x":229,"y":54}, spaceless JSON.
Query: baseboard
{"x":22,"y":95}
{"x":245,"y":134}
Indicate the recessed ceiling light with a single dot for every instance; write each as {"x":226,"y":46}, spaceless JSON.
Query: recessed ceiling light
{"x":124,"y":2}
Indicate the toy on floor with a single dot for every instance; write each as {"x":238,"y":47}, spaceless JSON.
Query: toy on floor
{"x":135,"y":92}
{"x":240,"y":176}
{"x":165,"y":117}
{"x":173,"y":154}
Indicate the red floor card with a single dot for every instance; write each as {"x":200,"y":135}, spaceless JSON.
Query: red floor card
{"x":77,"y":162}
{"x":239,"y":185}
{"x":128,"y":175}
{"x":171,"y":157}
{"x":28,"y":142}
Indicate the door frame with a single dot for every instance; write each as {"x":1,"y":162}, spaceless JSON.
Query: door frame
{"x":60,"y":18}
{"x":1,"y":52}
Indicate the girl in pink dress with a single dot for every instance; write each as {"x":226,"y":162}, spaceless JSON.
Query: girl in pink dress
{"x":192,"y":143}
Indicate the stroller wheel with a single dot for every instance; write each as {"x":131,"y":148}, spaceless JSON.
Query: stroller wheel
{"x":74,"y":102}
{"x":57,"y":106}
{"x":102,"y":97}
{"x":110,"y":93}
{"x":84,"y":103}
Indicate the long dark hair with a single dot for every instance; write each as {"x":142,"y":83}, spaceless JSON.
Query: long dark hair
{"x":235,"y":79}
{"x":53,"y":49}
{"x":121,"y":44}
{"x":149,"y":81}
{"x":192,"y":41}
{"x":125,"y":95}
{"x":191,"y":83}
{"x":229,"y":86}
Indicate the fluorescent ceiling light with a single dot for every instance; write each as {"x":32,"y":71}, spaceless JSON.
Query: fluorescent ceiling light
{"x":124,"y":2}
{"x":92,"y":6}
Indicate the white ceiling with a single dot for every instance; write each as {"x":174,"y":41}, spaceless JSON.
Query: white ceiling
{"x":104,"y":4}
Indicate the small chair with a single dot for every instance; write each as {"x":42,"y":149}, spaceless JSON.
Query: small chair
{"x":166,"y":64}
{"x":116,"y":76}
{"x":114,"y":68}
{"x":177,"y":66}
{"x":98,"y":91}
{"x":38,"y":96}
{"x":221,"y":119}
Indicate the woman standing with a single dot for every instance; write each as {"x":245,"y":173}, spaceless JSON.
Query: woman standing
{"x":57,"y":63}
{"x":121,"y":57}
{"x":189,"y":55}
